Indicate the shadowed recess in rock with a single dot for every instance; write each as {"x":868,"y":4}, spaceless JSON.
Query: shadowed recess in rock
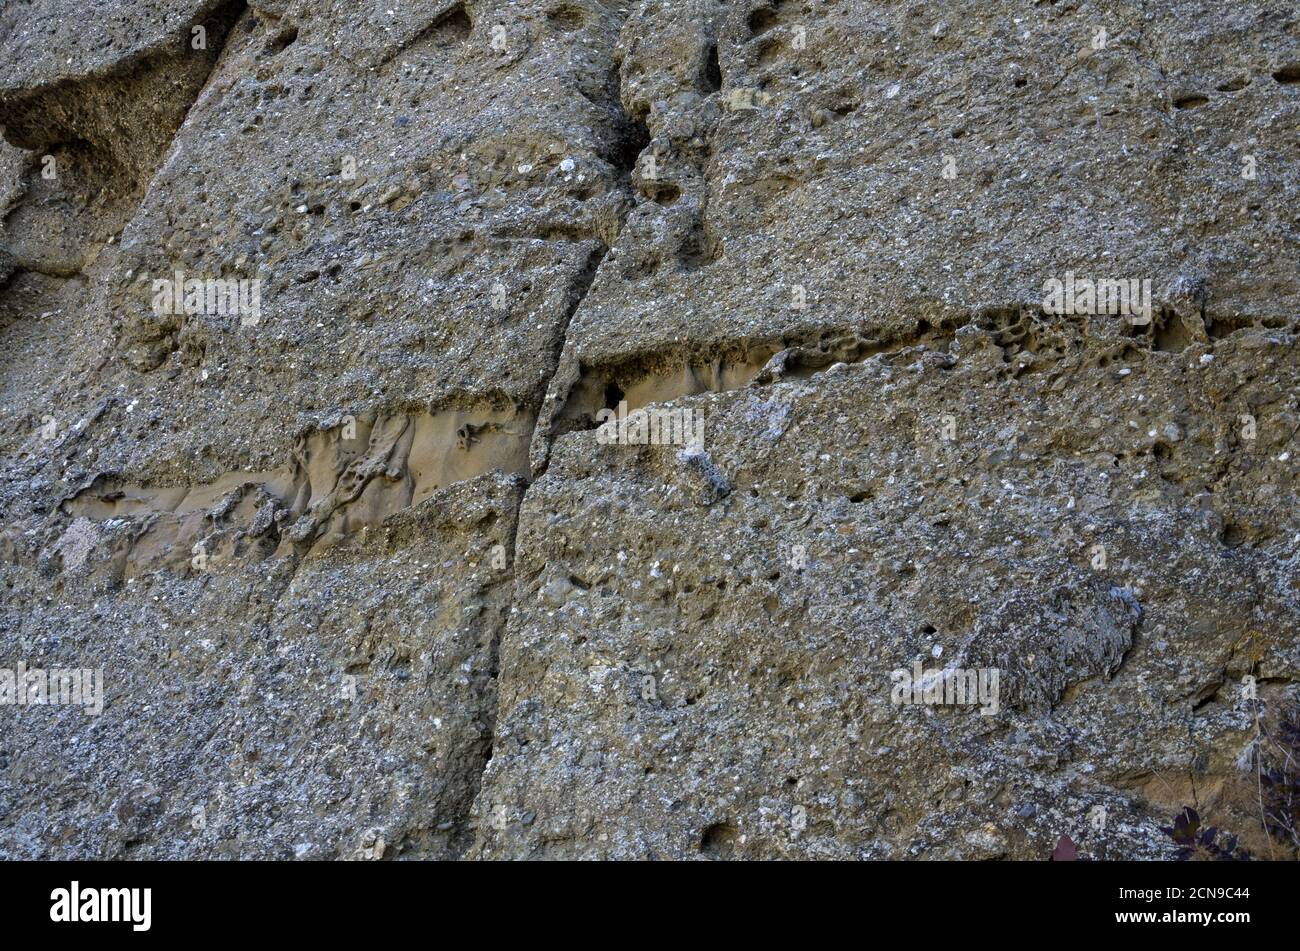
{"x":642,"y":380}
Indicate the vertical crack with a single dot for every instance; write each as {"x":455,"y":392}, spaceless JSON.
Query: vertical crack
{"x":634,"y":141}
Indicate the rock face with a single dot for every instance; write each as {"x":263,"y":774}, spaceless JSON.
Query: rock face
{"x":313,"y":318}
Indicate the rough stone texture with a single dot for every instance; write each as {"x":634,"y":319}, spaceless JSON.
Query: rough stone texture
{"x":365,"y":582}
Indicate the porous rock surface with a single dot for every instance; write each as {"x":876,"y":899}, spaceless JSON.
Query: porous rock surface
{"x":365,"y":583}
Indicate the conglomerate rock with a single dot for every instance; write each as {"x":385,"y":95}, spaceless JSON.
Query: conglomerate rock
{"x":311,"y":313}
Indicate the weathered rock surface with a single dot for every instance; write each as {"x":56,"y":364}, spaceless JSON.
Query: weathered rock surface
{"x":366,"y":581}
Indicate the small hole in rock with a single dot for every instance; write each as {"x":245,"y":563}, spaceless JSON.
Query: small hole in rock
{"x":1233,"y":535}
{"x":712,"y":73}
{"x":566,"y":19}
{"x":282,"y":41}
{"x":762,"y":20}
{"x":719,"y":840}
{"x":1288,"y":75}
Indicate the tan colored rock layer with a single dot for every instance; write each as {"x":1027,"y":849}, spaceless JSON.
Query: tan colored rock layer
{"x":366,"y":581}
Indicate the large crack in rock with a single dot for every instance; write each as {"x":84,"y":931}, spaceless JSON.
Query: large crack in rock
{"x":367,"y":581}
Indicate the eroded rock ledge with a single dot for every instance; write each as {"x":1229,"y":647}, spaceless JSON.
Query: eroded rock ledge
{"x":365,"y":580}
